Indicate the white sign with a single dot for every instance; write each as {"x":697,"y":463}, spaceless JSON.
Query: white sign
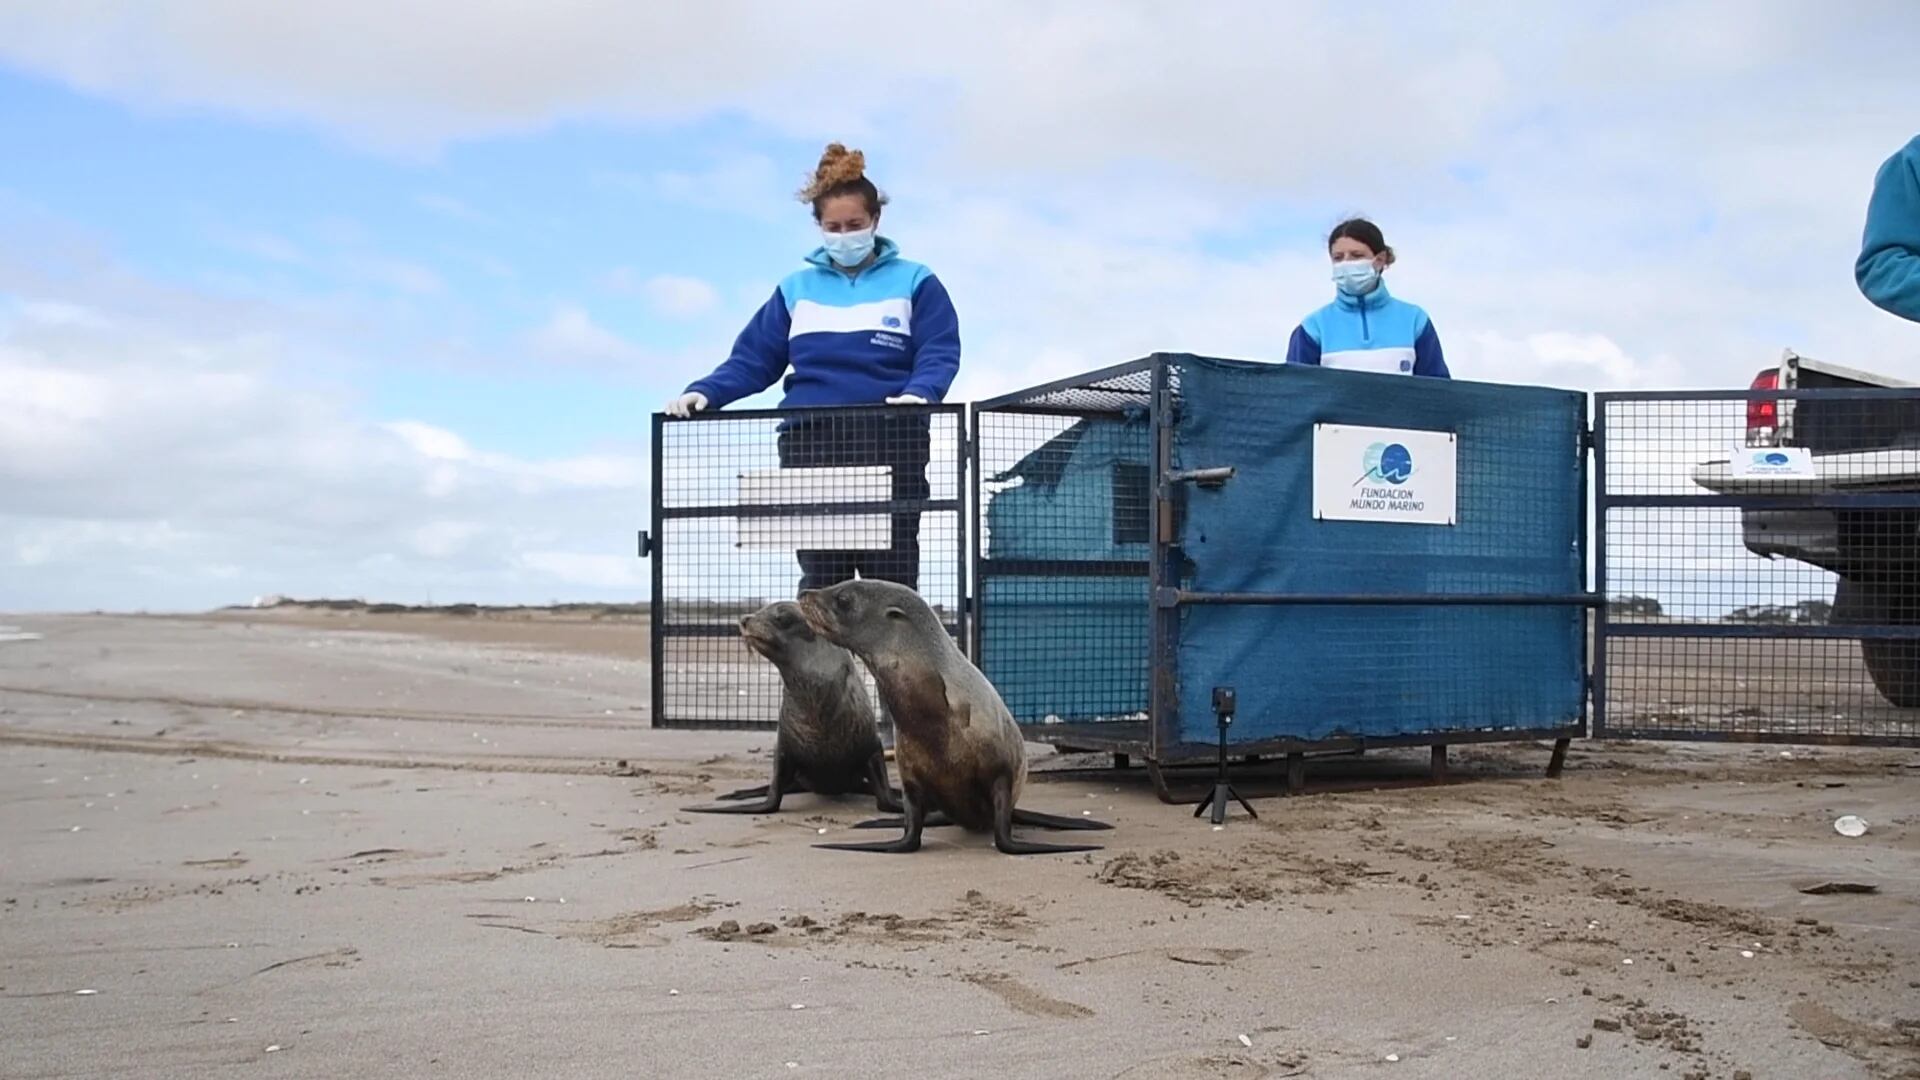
{"x":1785,"y":461}
{"x":1384,"y":474}
{"x":826,"y":532}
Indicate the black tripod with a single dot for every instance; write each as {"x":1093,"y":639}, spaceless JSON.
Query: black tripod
{"x":1223,"y":702}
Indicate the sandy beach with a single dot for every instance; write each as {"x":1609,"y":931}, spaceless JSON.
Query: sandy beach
{"x":330,"y":844}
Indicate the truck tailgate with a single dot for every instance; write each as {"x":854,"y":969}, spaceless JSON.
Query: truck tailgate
{"x":1867,"y":470}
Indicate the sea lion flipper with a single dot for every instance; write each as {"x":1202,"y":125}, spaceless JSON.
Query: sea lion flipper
{"x":907,"y":844}
{"x":885,"y":796}
{"x":793,"y":784}
{"x":1003,"y":837}
{"x":934,"y":820}
{"x":768,"y":805}
{"x":1051,"y":821}
{"x":779,"y":784}
{"x":885,"y":847}
{"x":745,"y":793}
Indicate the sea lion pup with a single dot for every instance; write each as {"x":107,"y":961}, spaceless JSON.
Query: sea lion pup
{"x":956,"y":745}
{"x":827,"y":742}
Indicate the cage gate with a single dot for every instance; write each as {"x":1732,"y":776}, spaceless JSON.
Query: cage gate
{"x":750,"y":506}
{"x":1763,"y":592}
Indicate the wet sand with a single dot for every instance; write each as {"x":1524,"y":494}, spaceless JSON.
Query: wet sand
{"x":429,"y":845}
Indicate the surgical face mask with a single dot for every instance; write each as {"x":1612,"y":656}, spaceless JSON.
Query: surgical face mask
{"x":1355,"y":277}
{"x":849,"y":248}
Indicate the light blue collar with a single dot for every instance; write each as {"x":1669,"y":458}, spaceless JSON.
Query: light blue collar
{"x":1372,"y":300}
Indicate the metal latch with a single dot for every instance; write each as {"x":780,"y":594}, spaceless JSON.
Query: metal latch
{"x":1206,"y":478}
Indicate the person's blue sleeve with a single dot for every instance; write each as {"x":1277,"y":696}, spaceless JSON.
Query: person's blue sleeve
{"x":1427,"y":358}
{"x":936,"y":341}
{"x":759,"y":357}
{"x":1888,"y":270}
{"x":1302,"y":349}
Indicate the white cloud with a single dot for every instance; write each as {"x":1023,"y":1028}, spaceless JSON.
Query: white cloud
{"x":1558,"y":358}
{"x":590,"y":471}
{"x":429,"y":441}
{"x":744,"y":184}
{"x":397,"y":77}
{"x":592,"y":570}
{"x":440,"y":539}
{"x":1580,"y":197}
{"x":571,"y":333}
{"x":1326,"y":95}
{"x":678,"y":297}
{"x":146,"y":468}
{"x":1050,"y":85}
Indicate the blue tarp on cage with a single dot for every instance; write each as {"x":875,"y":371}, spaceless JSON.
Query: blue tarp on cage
{"x":1060,"y":646}
{"x":1318,"y":672}
{"x":1067,"y":649}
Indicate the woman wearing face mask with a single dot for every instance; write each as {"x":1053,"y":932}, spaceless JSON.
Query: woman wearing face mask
{"x":858,"y":325}
{"x":1366,"y":328}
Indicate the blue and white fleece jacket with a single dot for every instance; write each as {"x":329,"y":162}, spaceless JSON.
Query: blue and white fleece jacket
{"x":851,"y":339}
{"x":1374,"y":332}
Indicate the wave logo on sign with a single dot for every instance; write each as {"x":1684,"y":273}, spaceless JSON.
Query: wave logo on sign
{"x":1772,"y":463}
{"x":1387,"y":463}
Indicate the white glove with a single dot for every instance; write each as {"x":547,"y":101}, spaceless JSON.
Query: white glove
{"x":686,"y":405}
{"x":907,"y":399}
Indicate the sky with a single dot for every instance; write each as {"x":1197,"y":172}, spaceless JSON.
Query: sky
{"x":376,"y":299}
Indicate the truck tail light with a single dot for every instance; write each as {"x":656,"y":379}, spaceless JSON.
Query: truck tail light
{"x":1763,"y":414}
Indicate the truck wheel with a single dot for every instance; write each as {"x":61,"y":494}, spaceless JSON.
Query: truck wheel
{"x":1894,"y":664}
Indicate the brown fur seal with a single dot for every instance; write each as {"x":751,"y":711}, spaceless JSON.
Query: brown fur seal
{"x":827,"y":742}
{"x":956,"y":745}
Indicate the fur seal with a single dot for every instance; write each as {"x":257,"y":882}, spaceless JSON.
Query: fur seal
{"x":827,"y":742}
{"x":957,"y":747}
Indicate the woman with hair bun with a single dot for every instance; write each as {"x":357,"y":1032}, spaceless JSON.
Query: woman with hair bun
{"x":858,"y":325}
{"x":1366,"y":328}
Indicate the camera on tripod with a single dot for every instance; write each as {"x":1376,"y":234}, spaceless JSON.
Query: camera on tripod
{"x":1224,"y":703}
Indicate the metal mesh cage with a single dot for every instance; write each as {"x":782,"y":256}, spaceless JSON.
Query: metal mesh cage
{"x":1064,"y":492}
{"x":1761,"y":564}
{"x":751,"y":507}
{"x":1111,"y":390}
{"x":1075,"y":480}
{"x":1758,"y":553}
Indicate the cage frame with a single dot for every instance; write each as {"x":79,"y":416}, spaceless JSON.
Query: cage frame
{"x":1150,"y":383}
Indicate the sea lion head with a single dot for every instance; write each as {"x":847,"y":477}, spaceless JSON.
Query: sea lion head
{"x":780,"y":633}
{"x":867,"y":616}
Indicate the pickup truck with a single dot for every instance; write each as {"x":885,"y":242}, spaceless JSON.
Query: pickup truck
{"x":1852,"y":446}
